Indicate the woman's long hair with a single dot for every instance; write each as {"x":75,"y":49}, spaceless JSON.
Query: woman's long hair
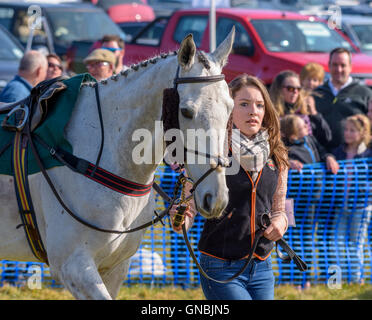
{"x":278,"y":152}
{"x":277,"y":96}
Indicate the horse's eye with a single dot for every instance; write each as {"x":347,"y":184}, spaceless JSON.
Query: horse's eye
{"x":187,"y":113}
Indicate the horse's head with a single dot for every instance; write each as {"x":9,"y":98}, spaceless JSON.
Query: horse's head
{"x":204,"y":109}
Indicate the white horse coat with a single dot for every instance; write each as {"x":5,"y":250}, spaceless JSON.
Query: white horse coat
{"x":93,"y":264}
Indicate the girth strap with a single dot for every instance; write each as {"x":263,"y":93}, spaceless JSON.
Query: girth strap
{"x":26,"y":209}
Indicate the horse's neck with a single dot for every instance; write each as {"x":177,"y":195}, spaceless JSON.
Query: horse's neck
{"x":128,"y":104}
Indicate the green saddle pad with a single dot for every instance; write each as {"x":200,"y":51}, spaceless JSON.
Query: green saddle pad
{"x":51,"y":130}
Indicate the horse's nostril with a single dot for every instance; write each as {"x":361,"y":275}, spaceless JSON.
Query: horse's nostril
{"x":207,"y":202}
{"x":187,"y":113}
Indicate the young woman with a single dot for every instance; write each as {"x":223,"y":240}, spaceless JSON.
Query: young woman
{"x":55,"y":68}
{"x":260,"y":186}
{"x":288,"y":98}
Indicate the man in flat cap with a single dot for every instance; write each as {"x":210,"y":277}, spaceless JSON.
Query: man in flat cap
{"x":100,"y":63}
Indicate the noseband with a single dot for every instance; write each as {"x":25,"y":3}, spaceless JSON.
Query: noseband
{"x":171,"y":101}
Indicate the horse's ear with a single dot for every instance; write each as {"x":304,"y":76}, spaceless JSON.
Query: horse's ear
{"x":222,"y":52}
{"x":186,"y":54}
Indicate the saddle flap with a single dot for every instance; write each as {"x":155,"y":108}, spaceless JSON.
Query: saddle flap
{"x":42,"y":102}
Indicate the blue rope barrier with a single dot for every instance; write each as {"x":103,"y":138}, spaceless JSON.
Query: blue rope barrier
{"x":333,"y":230}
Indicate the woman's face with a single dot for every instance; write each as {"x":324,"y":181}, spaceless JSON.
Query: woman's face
{"x":291,"y":89}
{"x":351,"y":134}
{"x":249,"y":110}
{"x":54,"y":68}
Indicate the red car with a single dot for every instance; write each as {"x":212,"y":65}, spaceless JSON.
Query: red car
{"x":266,"y":41}
{"x":127,"y":10}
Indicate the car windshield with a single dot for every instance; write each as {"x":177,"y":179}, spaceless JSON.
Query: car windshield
{"x":8,"y":49}
{"x":68,"y":26}
{"x":105,"y":4}
{"x":298,"y":36}
{"x":364,"y":34}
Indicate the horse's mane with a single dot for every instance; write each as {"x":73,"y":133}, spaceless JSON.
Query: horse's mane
{"x":143,"y":64}
{"x":132,"y":69}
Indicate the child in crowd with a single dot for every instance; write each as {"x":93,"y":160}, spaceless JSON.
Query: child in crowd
{"x":311,"y":76}
{"x":357,"y":137}
{"x":302,"y":147}
{"x":353,"y":218}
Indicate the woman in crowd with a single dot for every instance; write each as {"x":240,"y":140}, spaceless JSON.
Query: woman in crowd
{"x":259,"y":186}
{"x":288,"y":98}
{"x":55,"y":68}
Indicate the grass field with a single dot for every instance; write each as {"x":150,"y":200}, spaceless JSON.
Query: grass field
{"x":285,"y":292}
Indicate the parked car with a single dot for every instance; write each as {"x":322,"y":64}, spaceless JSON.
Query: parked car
{"x":359,"y":30}
{"x":131,"y":29}
{"x":121,"y":11}
{"x":266,"y":42}
{"x":360,"y":9}
{"x":167,"y":7}
{"x":11,"y":52}
{"x":67,"y":23}
{"x":284,"y":5}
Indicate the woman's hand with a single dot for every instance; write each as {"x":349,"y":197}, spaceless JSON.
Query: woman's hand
{"x":189,"y":216}
{"x":276,"y":229}
{"x":332,"y":164}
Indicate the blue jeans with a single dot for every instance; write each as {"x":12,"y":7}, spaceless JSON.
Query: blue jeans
{"x":256,"y":283}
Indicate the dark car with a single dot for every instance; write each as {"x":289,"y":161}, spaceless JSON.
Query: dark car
{"x":11,"y":52}
{"x":67,"y":23}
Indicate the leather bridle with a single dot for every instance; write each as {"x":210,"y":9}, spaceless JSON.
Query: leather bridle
{"x":173,"y":111}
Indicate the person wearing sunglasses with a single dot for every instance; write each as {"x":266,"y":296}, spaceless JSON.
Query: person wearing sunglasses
{"x":289,"y":98}
{"x":55,"y":68}
{"x":116,"y":45}
{"x":100,"y":63}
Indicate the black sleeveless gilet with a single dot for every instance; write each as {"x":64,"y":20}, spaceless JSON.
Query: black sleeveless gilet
{"x":230,"y":236}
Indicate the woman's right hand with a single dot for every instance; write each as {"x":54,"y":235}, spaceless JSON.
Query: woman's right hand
{"x":189,"y":216}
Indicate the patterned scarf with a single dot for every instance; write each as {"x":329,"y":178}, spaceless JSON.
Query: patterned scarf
{"x":251,"y":153}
